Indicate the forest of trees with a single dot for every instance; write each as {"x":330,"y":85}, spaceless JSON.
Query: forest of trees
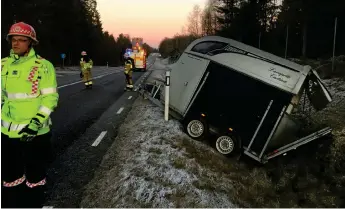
{"x":265,"y":24}
{"x":65,"y":26}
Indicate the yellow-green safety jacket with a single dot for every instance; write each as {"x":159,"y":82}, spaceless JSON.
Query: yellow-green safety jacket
{"x":86,"y":65}
{"x":28,"y":90}
{"x":128,"y":68}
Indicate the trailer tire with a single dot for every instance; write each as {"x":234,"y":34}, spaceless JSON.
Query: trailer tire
{"x":226,"y":144}
{"x":196,"y":129}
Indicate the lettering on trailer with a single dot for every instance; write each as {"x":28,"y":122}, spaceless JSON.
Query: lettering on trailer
{"x":279,"y":75}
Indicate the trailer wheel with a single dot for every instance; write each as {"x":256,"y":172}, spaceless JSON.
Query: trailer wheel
{"x":226,"y":145}
{"x":196,"y":129}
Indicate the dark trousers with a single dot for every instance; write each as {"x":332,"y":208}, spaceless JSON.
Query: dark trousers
{"x":24,"y":158}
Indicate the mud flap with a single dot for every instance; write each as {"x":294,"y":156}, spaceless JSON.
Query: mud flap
{"x":317,"y":93}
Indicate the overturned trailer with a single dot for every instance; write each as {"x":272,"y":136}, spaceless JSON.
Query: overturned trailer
{"x":243,"y":95}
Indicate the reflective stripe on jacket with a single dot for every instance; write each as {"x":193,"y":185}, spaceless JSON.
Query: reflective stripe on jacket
{"x":29,"y":89}
{"x":86,"y":65}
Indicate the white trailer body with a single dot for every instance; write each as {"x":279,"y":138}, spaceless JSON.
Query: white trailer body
{"x":232,"y":86}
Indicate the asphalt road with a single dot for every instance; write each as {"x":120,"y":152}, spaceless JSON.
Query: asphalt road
{"x":78,"y":107}
{"x":79,"y":120}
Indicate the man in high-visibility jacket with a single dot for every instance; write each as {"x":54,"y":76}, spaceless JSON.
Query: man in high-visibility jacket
{"x":86,"y":66}
{"x":29,"y":96}
{"x":128,"y":73}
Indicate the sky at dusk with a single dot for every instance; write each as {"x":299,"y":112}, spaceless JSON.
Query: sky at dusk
{"x":151,"y":19}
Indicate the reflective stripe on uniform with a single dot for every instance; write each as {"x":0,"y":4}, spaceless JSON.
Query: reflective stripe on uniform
{"x":30,"y":96}
{"x":19,"y":127}
{"x":20,"y":95}
{"x":40,"y":183}
{"x":48,"y":90}
{"x":12,"y":127}
{"x":45,"y":110}
{"x":14,"y":183}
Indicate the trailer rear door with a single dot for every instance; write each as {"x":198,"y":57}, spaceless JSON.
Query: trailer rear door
{"x":185,"y":79}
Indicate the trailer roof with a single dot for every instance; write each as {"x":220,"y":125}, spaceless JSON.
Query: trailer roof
{"x":229,"y":52}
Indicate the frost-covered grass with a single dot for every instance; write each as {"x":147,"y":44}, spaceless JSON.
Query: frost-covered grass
{"x":334,"y":115}
{"x":148,"y":166}
{"x":318,"y":171}
{"x":152,"y":163}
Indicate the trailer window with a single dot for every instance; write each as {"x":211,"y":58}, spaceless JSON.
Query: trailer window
{"x":208,"y":46}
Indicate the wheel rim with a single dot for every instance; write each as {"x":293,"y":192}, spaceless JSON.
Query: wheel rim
{"x":225,"y":144}
{"x":195,"y":128}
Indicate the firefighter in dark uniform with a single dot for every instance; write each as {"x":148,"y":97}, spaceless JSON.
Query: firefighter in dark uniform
{"x":128,"y":74}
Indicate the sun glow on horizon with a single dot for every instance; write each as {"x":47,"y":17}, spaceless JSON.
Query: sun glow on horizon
{"x":153,"y":20}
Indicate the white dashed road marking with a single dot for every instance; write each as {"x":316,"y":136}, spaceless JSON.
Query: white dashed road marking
{"x":120,"y":110}
{"x":130,"y":97}
{"x":99,"y":139}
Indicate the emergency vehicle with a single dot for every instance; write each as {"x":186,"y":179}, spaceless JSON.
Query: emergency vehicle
{"x":139,"y":58}
{"x":137,"y":54}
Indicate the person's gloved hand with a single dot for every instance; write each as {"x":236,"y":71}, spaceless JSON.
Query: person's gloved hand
{"x":30,"y":131}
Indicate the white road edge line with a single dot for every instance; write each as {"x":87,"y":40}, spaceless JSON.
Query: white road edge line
{"x":130,"y":97}
{"x":120,"y":110}
{"x":99,"y":138}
